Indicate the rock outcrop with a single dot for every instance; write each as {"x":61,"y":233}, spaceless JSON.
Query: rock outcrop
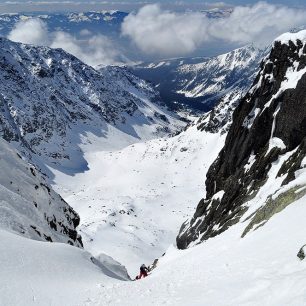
{"x":302,"y":253}
{"x":269,"y":128}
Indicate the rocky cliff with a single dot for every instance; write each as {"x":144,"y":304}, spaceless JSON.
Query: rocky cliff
{"x":258,"y":171}
{"x":29,"y":206}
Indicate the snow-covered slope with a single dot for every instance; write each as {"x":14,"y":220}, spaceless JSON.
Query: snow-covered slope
{"x":200,"y":83}
{"x":50,"y":102}
{"x":125,"y":194}
{"x":261,"y":269}
{"x":260,"y":171}
{"x":132,"y":202}
{"x":39,"y":273}
{"x":29,"y":206}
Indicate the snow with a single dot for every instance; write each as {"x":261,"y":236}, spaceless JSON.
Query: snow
{"x":303,"y":163}
{"x":293,"y":75}
{"x":250,"y":162}
{"x":53,"y":114}
{"x":41,"y":273}
{"x":28,"y":205}
{"x":271,"y":186}
{"x":275,"y":142}
{"x":260,"y":269}
{"x":286,"y":37}
{"x":249,"y":120}
{"x":132,"y":202}
{"x":219,"y":195}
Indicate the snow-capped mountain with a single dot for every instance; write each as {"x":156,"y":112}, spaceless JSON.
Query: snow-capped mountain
{"x":53,"y":103}
{"x":29,"y":206}
{"x":103,"y":22}
{"x":260,"y":170}
{"x":199,"y":83}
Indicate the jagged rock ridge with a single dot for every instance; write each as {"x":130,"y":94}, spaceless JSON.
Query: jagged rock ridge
{"x":268,"y":131}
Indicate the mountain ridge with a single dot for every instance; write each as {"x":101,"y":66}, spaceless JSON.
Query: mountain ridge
{"x":199,"y":83}
{"x":51,"y":103}
{"x":263,"y":150}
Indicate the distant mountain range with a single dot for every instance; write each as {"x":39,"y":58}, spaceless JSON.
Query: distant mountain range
{"x":199,"y":83}
{"x":105,"y":22}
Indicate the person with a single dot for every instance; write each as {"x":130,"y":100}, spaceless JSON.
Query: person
{"x":143,"y":271}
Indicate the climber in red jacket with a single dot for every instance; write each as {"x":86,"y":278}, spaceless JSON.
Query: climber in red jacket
{"x":143,"y":272}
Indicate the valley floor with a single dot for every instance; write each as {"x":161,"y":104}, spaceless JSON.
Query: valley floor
{"x":133,"y":201}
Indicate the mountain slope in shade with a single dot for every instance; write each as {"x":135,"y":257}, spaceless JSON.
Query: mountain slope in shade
{"x":29,"y":206}
{"x":199,"y":83}
{"x":260,"y":170}
{"x":50,"y":102}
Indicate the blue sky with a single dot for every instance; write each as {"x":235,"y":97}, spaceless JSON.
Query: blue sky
{"x":125,"y":5}
{"x":187,"y":34}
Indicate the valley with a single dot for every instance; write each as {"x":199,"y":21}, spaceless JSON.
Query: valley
{"x":197,"y":164}
{"x":157,"y":184}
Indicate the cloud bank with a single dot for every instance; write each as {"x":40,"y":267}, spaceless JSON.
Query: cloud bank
{"x":161,"y":32}
{"x":91,"y":49}
{"x":31,"y":31}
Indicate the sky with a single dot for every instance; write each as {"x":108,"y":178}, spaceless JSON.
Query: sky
{"x":159,"y":31}
{"x":13,"y":6}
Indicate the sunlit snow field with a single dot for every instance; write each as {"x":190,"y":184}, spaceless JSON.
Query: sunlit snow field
{"x":133,"y":201}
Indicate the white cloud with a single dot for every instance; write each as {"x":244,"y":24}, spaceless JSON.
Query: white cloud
{"x":162,"y":32}
{"x":31,"y":31}
{"x":260,"y":23}
{"x":92,"y":49}
{"x":155,"y":31}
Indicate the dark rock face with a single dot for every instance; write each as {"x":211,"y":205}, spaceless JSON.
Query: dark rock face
{"x":301,"y":254}
{"x":269,"y":121}
{"x":220,"y":118}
